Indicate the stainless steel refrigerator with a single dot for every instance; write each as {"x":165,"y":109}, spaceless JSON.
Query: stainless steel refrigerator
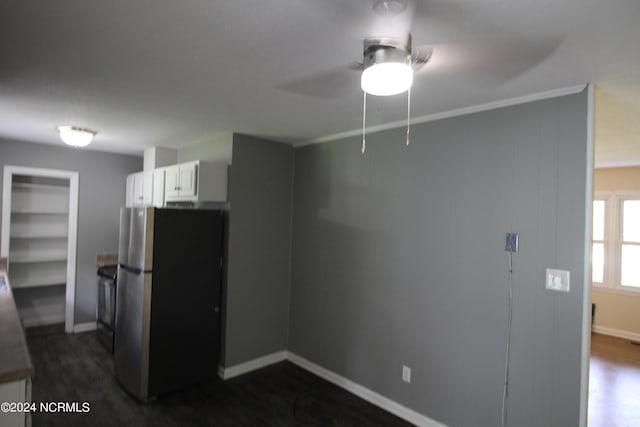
{"x":169,"y":299}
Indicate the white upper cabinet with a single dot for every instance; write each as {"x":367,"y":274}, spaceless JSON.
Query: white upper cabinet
{"x":171,"y":180}
{"x":181,"y":181}
{"x":128,"y":199}
{"x":196,"y":182}
{"x":158,"y":188}
{"x":147,"y":188}
{"x":185,"y":182}
{"x":139,"y":191}
{"x":188,"y":174}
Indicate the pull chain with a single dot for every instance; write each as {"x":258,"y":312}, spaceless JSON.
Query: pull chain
{"x":408,"y":115}
{"x":364,"y":120}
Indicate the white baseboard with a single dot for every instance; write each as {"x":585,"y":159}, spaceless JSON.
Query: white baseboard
{"x":369,"y":395}
{"x":365,"y":393}
{"x":43,"y":321}
{"x":252,"y":365}
{"x":633,"y":336}
{"x":84,"y":327}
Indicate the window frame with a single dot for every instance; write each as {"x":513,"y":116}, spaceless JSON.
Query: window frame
{"x":613,"y":217}
{"x":620,"y":242}
{"x":604,"y":241}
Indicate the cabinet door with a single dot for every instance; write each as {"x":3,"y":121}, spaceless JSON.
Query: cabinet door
{"x":158,"y":188}
{"x":147,"y":188}
{"x":138,"y":189}
{"x":188,"y":180}
{"x":17,"y":391}
{"x":128,"y":200}
{"x":171,"y":188}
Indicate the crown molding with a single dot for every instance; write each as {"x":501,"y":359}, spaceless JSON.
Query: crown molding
{"x":448,"y":114}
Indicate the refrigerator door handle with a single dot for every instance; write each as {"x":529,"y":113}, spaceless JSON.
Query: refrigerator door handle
{"x":131,"y":270}
{"x":124,"y":236}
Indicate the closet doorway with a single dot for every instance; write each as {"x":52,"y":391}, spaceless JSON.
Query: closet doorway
{"x":39,"y":238}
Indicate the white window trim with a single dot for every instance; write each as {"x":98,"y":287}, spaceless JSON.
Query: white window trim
{"x":606,"y":198}
{"x":612,"y":241}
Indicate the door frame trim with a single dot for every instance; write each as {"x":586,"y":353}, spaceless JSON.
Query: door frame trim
{"x":72,"y":236}
{"x":586,"y":295}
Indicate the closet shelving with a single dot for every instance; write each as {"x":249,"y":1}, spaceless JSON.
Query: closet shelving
{"x":38,"y":247}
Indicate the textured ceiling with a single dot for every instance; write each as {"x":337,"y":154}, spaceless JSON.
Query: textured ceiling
{"x":169,"y":73}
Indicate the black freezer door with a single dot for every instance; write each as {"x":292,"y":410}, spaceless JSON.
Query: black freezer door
{"x":186,"y":298}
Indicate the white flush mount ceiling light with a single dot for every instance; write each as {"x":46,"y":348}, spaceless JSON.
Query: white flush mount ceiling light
{"x":76,"y":136}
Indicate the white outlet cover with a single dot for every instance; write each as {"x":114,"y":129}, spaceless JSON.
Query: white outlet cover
{"x":406,"y":374}
{"x":558,"y":280}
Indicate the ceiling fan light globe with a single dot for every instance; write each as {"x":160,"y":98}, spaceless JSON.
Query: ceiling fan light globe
{"x":74,"y":136}
{"x":385,"y":79}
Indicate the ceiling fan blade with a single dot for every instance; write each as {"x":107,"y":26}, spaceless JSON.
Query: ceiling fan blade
{"x":327,"y":84}
{"x":420,"y":55}
{"x":490,"y":61}
{"x":469,"y":42}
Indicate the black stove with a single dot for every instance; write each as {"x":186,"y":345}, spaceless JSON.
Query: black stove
{"x":107,"y":277}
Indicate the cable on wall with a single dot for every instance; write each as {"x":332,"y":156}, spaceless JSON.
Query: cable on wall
{"x":364,"y":121}
{"x":408,"y":116}
{"x":511,"y":247}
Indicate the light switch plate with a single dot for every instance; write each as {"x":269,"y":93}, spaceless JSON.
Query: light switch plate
{"x":558,"y":280}
{"x":406,"y":374}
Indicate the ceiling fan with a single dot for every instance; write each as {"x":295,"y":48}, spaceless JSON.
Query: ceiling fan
{"x":388,"y":61}
{"x":470,"y":45}
{"x":388,"y":42}
{"x":480,"y":50}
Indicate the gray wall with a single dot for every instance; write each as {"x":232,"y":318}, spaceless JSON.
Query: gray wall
{"x":398,"y":258}
{"x":257,"y":292}
{"x":217,"y":149}
{"x":101,"y":193}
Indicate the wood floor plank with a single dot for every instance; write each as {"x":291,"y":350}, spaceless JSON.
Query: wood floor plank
{"x":75,"y":368}
{"x":614,"y":382}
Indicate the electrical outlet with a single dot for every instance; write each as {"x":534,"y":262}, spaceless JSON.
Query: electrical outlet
{"x":406,"y":374}
{"x":511,"y":243}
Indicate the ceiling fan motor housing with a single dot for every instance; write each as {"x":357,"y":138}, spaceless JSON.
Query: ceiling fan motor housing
{"x":380,"y":51}
{"x":386,"y":54}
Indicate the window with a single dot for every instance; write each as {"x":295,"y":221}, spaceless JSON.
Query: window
{"x":597,"y":242}
{"x":615,"y":242}
{"x":630,"y":243}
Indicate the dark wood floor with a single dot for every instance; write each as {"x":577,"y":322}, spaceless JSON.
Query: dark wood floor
{"x":614,"y":382}
{"x":75,"y":368}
